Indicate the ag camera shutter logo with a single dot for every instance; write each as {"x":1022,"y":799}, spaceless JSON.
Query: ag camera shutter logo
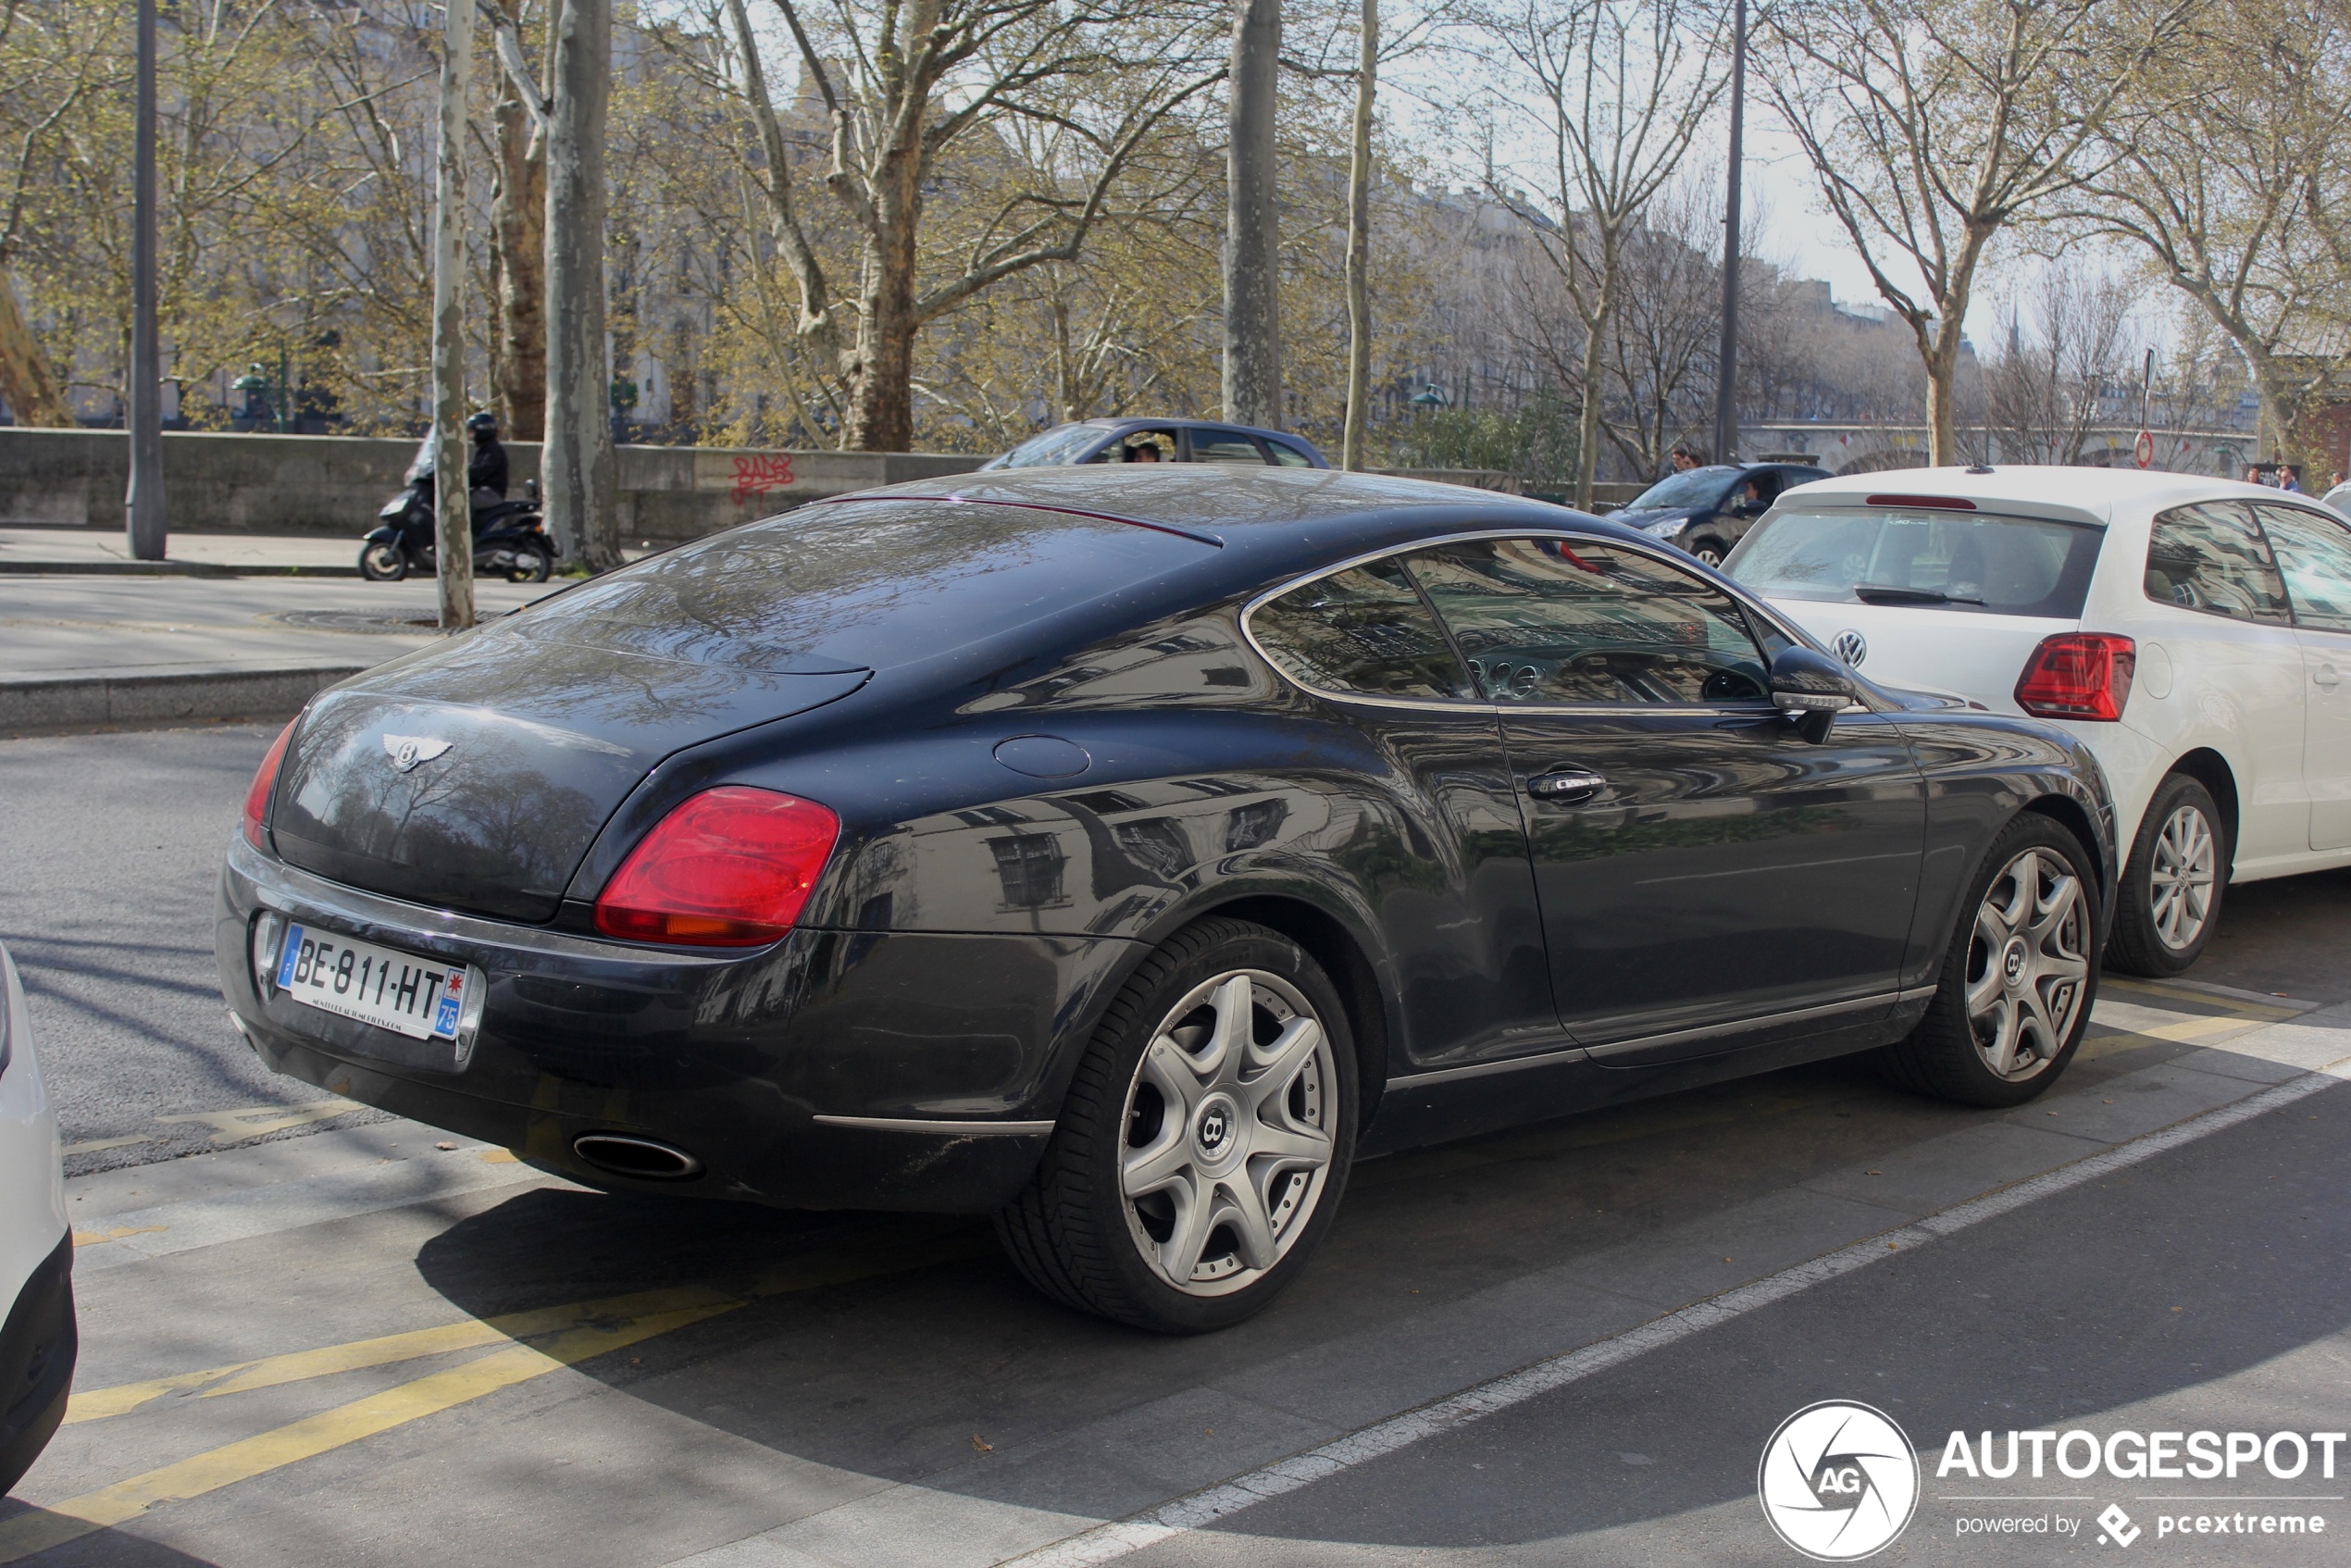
{"x":1839,"y":1480}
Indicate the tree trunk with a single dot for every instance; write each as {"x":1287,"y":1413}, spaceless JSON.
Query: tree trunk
{"x":25,"y":379}
{"x":1942,"y":396}
{"x":519,"y":267}
{"x":1252,"y":223}
{"x":1359,"y":244}
{"x":453,"y":507}
{"x":881,"y":378}
{"x":575,"y":466}
{"x":1587,"y":428}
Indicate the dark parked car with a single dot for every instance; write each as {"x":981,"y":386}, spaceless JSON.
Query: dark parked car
{"x":1126,"y":856}
{"x":1706,"y":511}
{"x":1158,"y":440}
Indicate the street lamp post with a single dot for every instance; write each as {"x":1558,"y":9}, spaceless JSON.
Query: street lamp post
{"x":1727,"y":414}
{"x":144,"y":513}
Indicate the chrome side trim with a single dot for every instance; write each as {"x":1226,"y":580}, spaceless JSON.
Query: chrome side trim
{"x":1672,"y":1036}
{"x":964,"y":1129}
{"x":1915,"y":994}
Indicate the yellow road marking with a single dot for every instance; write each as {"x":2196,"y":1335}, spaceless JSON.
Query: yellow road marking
{"x":499,"y":1156}
{"x":235,"y":1127}
{"x":93,"y":1147}
{"x":2182,"y":994}
{"x":97,"y":1404}
{"x":344,"y":1425}
{"x":42,"y":1528}
{"x":96,"y":1238}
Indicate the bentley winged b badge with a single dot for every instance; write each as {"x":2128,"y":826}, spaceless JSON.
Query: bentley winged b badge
{"x":407,"y":750}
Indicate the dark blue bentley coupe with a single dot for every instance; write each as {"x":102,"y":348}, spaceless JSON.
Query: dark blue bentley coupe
{"x":1126,"y":852}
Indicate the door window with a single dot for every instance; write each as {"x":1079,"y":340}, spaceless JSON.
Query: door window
{"x":2210,"y":557}
{"x":2314,"y":553}
{"x":1551,"y":621}
{"x":1287,"y":457}
{"x":1224,"y":446}
{"x":1361,"y":630}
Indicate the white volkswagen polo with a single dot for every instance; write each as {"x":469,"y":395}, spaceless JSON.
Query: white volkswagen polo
{"x":2195,"y":632}
{"x":37,"y":1340}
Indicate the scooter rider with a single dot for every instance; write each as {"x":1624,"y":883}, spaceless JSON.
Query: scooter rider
{"x":487,"y":470}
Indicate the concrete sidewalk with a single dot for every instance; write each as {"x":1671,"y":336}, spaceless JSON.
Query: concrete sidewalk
{"x":53,"y":550}
{"x":94,"y":649}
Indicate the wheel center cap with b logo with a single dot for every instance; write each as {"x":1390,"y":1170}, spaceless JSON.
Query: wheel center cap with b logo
{"x":1214,"y":1129}
{"x":2013,"y":963}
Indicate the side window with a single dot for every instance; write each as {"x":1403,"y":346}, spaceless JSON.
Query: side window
{"x":2314,"y":552}
{"x":1361,"y":630}
{"x":2210,"y":557}
{"x":1560,"y":621}
{"x":1224,"y":446}
{"x":1287,"y":457}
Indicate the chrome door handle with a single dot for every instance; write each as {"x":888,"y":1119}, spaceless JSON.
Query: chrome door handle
{"x":1565,"y":786}
{"x":2326,"y":677}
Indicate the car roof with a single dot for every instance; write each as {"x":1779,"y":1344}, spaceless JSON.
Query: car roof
{"x":1270,"y":513}
{"x":2032,"y":490}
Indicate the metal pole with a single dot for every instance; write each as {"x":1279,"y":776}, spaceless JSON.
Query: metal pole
{"x":143,"y":503}
{"x":1726,"y":412}
{"x":453,"y":502}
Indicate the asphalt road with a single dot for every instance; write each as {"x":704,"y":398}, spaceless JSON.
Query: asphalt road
{"x":382,"y":1346}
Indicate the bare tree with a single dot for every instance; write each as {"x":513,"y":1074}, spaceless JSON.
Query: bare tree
{"x":2047,"y":386}
{"x":517,"y":240}
{"x":1615,"y":89}
{"x":1931,"y":125}
{"x":1359,"y":240}
{"x":902,"y":89}
{"x":2227,"y":193}
{"x":452,"y":509}
{"x":576,"y":464}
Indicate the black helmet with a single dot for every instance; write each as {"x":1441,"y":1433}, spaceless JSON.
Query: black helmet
{"x":483,"y":424}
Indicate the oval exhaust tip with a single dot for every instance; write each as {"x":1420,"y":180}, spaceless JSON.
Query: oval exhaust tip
{"x":639,"y":1157}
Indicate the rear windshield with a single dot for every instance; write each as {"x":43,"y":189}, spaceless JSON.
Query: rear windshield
{"x":860,"y":585}
{"x":1055,"y":448}
{"x":1978,"y":560}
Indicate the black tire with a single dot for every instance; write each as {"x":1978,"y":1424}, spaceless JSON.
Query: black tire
{"x":1711,"y":551}
{"x":530,"y":565}
{"x":2140,"y":944}
{"x":1948,"y":1055}
{"x":382,"y":563}
{"x":1075,"y":1234}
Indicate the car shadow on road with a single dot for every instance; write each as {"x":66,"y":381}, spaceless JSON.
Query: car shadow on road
{"x":905,"y":1349}
{"x":100,"y":1549}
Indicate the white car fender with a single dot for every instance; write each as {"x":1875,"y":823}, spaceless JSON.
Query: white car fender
{"x":33,"y":1188}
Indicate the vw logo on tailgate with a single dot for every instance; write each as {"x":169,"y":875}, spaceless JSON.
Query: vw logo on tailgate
{"x":1852,"y":647}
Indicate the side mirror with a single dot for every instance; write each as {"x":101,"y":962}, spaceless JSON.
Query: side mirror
{"x":1812,"y":688}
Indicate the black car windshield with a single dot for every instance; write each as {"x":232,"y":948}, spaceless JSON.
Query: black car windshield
{"x":1055,"y":448}
{"x":1692,"y":487}
{"x":1978,"y":561}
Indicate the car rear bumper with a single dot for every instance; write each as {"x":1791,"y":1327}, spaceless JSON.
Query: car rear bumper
{"x":836,"y":1069}
{"x":38,"y":1344}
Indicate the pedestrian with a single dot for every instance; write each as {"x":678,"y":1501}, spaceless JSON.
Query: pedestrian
{"x":1683,"y":459}
{"x":2286,"y":480}
{"x":487,"y":469}
{"x":2256,"y":473}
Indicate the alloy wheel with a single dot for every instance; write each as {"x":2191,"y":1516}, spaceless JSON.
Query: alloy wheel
{"x":1228,"y":1142}
{"x":2028,"y":965}
{"x":2181,"y":872}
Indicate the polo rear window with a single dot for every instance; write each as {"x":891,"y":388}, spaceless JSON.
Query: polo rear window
{"x":1930,"y":559}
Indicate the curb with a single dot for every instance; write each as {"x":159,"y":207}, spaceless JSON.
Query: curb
{"x":163,"y":568}
{"x":199,"y":693}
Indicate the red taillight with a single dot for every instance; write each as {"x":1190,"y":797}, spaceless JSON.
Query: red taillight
{"x":2078,"y":674}
{"x":731,"y":867}
{"x":264,"y":780}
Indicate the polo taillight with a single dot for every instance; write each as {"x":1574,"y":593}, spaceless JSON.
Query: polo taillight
{"x":730,"y":868}
{"x":2078,"y":674}
{"x":264,"y":780}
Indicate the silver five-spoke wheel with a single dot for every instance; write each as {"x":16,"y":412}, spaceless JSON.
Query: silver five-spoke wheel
{"x":2179,"y":875}
{"x":1227,"y":1143}
{"x":2027,"y":965}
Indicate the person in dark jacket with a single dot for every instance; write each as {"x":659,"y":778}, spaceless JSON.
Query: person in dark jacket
{"x":487,"y":469}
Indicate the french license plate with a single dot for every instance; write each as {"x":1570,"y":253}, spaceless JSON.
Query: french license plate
{"x":396,"y":991}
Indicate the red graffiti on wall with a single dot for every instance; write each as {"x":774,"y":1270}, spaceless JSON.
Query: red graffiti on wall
{"x":754,"y":477}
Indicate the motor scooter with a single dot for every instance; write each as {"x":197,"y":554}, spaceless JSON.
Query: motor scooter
{"x":510,"y":537}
